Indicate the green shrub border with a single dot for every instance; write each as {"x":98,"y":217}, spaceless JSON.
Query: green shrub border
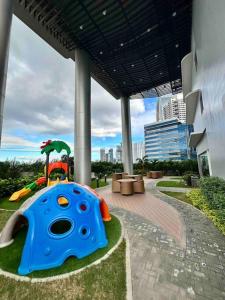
{"x":210,"y":199}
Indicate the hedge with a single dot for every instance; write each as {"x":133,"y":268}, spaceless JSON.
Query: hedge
{"x":9,"y":186}
{"x":210,"y":198}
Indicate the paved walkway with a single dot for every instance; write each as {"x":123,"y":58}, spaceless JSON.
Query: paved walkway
{"x":151,"y":208}
{"x":161,"y":266}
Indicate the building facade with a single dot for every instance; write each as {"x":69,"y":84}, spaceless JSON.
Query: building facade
{"x":102,"y":154}
{"x":168,"y":140}
{"x":138,"y":150}
{"x":172,"y":106}
{"x":119,"y":153}
{"x":110,"y":155}
{"x":203,"y":73}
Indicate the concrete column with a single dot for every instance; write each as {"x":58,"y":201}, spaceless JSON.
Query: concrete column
{"x":82,"y":146}
{"x":6,"y":10}
{"x":126,"y":136}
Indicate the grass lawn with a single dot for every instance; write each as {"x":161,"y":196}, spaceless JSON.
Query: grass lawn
{"x":178,"y":184}
{"x":13,"y":205}
{"x":179,"y":196}
{"x":101,"y":183}
{"x":104,"y":281}
{"x":10,"y":256}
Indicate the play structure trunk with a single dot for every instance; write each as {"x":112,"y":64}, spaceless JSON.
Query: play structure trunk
{"x":47,"y":164}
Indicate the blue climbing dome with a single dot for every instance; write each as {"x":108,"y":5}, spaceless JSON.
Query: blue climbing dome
{"x":64,"y":220}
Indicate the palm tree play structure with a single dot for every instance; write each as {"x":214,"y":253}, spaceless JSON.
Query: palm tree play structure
{"x":64,"y":218}
{"x":47,"y":148}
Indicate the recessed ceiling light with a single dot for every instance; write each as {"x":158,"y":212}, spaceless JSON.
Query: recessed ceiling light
{"x":121,"y":44}
{"x":174,"y":14}
{"x":114,"y":70}
{"x":101,"y":52}
{"x":156,"y":55}
{"x":81,"y":27}
{"x":160,"y":73}
{"x":149,"y":29}
{"x":177,"y":45}
{"x":132,"y":65}
{"x":104,"y":12}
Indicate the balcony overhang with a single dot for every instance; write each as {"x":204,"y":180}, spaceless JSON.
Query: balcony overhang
{"x":195,"y":138}
{"x":135,"y":47}
{"x":191,"y":100}
{"x":186,"y":71}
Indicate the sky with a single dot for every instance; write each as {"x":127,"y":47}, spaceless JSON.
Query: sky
{"x":39,"y":103}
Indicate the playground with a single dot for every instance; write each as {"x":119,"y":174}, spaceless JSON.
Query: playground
{"x":56,"y":228}
{"x":166,"y":246}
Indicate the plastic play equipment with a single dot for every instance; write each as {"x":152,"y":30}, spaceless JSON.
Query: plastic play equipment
{"x":47,"y":148}
{"x":58,"y":146}
{"x":57,"y":231}
{"x":27,"y":189}
{"x":64,"y":219}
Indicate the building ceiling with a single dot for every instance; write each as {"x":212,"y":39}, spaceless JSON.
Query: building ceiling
{"x":135,"y":46}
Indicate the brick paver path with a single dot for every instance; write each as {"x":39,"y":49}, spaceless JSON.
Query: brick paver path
{"x":162,"y":268}
{"x":151,"y":208}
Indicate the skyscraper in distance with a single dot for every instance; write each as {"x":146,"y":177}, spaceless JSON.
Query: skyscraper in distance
{"x":110,"y":155}
{"x":138,"y":150}
{"x":102,"y":154}
{"x":119,"y":153}
{"x":171,"y":106}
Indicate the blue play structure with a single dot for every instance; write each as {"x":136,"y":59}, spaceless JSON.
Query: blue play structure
{"x":64,"y":220}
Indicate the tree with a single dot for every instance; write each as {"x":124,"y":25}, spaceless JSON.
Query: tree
{"x":142,"y":162}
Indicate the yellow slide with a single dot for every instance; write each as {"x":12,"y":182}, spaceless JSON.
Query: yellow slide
{"x":19,"y":194}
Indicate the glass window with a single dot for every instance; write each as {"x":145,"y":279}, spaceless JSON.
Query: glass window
{"x":204,"y":164}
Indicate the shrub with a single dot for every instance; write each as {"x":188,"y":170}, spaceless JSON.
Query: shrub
{"x":187,"y":178}
{"x":9,"y":186}
{"x":213,"y":188}
{"x":196,"y":197}
{"x":216,"y":215}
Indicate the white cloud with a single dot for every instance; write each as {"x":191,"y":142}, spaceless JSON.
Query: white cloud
{"x":41,"y":90}
{"x":12,"y":141}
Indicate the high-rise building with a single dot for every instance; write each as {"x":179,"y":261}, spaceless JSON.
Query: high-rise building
{"x":168,"y":140}
{"x":102,"y":154}
{"x":138,"y":150}
{"x":169,"y":107}
{"x":110,"y":155}
{"x":119,"y":153}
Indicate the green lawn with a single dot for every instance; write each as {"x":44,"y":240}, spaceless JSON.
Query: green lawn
{"x":13,"y":205}
{"x":180,"y":196}
{"x":101,"y":183}
{"x":178,"y":184}
{"x":106,"y":281}
{"x":11,"y":255}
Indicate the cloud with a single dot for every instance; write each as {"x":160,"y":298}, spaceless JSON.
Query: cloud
{"x":12,"y":141}
{"x":40,"y":96}
{"x":139,"y":117}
